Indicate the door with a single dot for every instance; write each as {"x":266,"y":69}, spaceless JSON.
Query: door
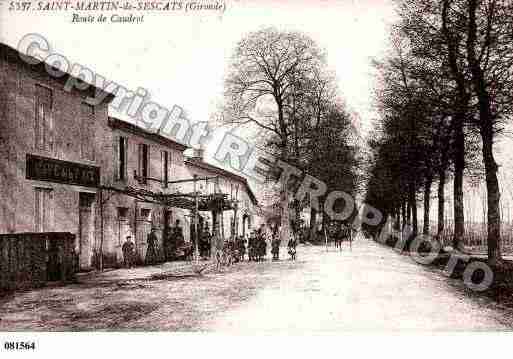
{"x":43,"y":210}
{"x":244,"y":224}
{"x":86,"y":227}
{"x":168,"y":219}
{"x":144,"y":224}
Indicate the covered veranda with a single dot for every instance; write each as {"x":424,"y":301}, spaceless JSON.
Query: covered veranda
{"x":196,"y":202}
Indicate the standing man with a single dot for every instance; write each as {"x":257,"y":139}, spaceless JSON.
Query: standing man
{"x":128,"y":252}
{"x":241,"y":246}
{"x":292,"y":247}
{"x":168,"y":244}
{"x":178,"y":233}
{"x":205,"y":243}
{"x":252,"y":246}
{"x":151,"y":252}
{"x":275,"y":247}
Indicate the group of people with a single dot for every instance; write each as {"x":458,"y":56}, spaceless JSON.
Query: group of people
{"x":257,"y":245}
{"x":340,"y":233}
{"x":174,"y":246}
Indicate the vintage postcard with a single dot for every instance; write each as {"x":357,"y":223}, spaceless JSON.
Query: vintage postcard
{"x":255,"y":167}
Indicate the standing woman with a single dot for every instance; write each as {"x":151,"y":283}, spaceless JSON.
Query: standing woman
{"x":292,"y":248}
{"x":151,"y":252}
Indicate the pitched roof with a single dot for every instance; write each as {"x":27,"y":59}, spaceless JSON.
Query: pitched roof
{"x":139,"y":131}
{"x":196,"y":162}
{"x":12,"y":55}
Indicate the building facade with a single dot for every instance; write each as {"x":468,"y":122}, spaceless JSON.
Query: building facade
{"x":54,"y":146}
{"x":238,"y":221}
{"x":66,"y":166}
{"x":141,"y":161}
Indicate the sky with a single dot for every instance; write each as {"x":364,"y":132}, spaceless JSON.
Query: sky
{"x":180,"y":57}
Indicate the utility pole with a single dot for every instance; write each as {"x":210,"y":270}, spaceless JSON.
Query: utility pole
{"x":101,"y":231}
{"x":196,"y":239}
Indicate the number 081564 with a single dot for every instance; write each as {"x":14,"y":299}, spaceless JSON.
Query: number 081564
{"x":19,"y":345}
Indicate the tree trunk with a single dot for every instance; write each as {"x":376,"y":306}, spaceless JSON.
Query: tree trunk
{"x":297,"y":217}
{"x":313,"y":220}
{"x":408,"y":211}
{"x":405,"y":214}
{"x":461,"y":107}
{"x":284,"y":195}
{"x":285,"y":215}
{"x":487,"y":134}
{"x":324,"y":223}
{"x":493,"y":200}
{"x":427,"y":203}
{"x":397,"y":218}
{"x":441,"y":199}
{"x":413,"y":208}
{"x":459,"y":165}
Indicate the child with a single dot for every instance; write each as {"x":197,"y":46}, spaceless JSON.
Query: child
{"x":292,"y":248}
{"x":128,"y":252}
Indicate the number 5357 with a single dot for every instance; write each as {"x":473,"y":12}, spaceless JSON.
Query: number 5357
{"x":19,"y":5}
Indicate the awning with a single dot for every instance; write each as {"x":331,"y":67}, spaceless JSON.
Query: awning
{"x":206,"y":202}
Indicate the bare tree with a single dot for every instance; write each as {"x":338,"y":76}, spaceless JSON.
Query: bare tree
{"x":262,"y":88}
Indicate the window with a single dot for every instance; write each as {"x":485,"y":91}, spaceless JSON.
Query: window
{"x":122,"y":213}
{"x":87,"y":137}
{"x":168,"y":219}
{"x":122,"y":158}
{"x":43,"y":209}
{"x":146,"y":214}
{"x":144,"y":159}
{"x":43,"y":119}
{"x":165,"y":168}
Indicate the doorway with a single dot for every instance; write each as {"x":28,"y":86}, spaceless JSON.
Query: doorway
{"x":86,"y":229}
{"x":245,"y":221}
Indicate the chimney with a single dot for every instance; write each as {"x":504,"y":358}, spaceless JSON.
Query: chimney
{"x":198,"y":154}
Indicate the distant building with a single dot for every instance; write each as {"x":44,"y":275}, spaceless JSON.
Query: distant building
{"x":239,"y":220}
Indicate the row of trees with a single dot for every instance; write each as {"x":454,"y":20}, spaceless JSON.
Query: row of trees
{"x":444,"y":95}
{"x":277,"y":82}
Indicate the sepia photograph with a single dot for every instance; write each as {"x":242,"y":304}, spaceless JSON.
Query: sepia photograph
{"x":171,"y":170}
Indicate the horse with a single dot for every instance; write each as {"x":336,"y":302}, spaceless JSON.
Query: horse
{"x":338,"y":241}
{"x":292,"y":249}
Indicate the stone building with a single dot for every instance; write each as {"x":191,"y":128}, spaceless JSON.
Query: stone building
{"x":238,"y":220}
{"x":54,"y":147}
{"x":141,"y":162}
{"x":65,"y":166}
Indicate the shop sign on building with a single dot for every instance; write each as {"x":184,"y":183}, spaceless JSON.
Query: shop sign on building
{"x":53,"y":170}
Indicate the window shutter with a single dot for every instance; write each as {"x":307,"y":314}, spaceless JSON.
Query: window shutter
{"x":50,"y":129}
{"x":163,"y":167}
{"x":87,"y":131}
{"x":51,"y":210}
{"x":125,"y":168}
{"x":43,"y":120}
{"x":115,"y":156}
{"x":148,"y":164}
{"x":172,"y":164}
{"x":38,"y":210}
{"x":140,"y":159}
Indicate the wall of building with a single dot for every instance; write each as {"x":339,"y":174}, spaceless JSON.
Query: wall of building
{"x":18,"y":206}
{"x":18,"y":137}
{"x":140,"y":216}
{"x":227,"y":185}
